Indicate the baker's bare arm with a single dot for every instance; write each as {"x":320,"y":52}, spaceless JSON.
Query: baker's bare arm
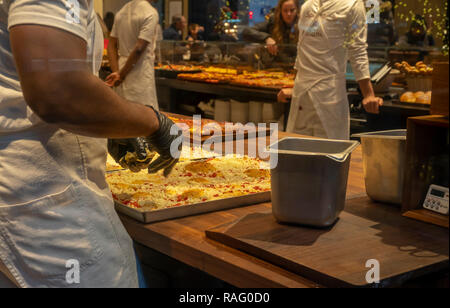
{"x":60,"y":88}
{"x":371,"y":103}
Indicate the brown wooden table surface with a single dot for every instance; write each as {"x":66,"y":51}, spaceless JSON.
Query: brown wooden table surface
{"x":184,"y":239}
{"x":337,"y":256}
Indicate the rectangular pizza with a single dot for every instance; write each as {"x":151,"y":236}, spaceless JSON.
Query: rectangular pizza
{"x":191,"y":182}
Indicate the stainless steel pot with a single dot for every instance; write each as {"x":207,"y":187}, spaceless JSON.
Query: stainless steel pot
{"x":384,"y":156}
{"x":309,"y":181}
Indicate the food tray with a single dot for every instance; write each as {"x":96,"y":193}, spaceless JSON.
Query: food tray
{"x":225,"y":137}
{"x":237,"y":84}
{"x":192,"y":209}
{"x":208,"y":81}
{"x":398,"y":102}
{"x":172,"y":74}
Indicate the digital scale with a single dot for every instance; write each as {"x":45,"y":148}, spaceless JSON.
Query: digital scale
{"x":437,"y":199}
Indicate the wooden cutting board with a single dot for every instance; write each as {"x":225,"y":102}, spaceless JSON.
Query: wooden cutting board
{"x":337,"y":256}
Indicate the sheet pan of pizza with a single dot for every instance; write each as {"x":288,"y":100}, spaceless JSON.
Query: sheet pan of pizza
{"x":193,"y":209}
{"x":194,"y":187}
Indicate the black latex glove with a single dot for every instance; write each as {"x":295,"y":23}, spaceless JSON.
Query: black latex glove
{"x":160,"y":142}
{"x":138,"y":158}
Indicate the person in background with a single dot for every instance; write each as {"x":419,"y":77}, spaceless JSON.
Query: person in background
{"x":131,"y":52}
{"x":195,"y":33}
{"x":280,"y":28}
{"x":109,"y":20}
{"x":195,"y":46}
{"x":175,"y":31}
{"x":57,"y":212}
{"x":419,"y":34}
{"x":332,"y":32}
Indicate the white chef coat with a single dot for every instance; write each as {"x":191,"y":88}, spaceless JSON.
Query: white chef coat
{"x":55,"y":205}
{"x":138,"y":19}
{"x":331,"y":33}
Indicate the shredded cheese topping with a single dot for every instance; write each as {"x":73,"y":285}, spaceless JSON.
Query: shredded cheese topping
{"x":191,"y":183}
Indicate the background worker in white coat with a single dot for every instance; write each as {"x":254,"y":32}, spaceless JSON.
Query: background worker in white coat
{"x":331,"y":33}
{"x":131,"y":52}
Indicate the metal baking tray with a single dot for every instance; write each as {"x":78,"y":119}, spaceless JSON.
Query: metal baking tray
{"x":193,"y":209}
{"x":173,"y":74}
{"x":398,"y":102}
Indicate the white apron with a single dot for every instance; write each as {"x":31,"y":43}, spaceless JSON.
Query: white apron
{"x":319,"y":103}
{"x":63,"y":212}
{"x":56,"y":209}
{"x":139,"y":86}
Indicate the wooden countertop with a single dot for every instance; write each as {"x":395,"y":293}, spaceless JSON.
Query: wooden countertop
{"x":184,"y":239}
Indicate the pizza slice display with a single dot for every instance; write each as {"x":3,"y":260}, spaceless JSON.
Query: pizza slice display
{"x":205,"y":127}
{"x":258,"y":79}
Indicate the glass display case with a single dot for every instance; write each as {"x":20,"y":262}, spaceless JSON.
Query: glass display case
{"x":250,"y":56}
{"x":257,"y":56}
{"x":400,"y":75}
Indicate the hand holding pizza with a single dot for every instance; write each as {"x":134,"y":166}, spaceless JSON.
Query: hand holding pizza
{"x":161,"y":142}
{"x":133,"y":154}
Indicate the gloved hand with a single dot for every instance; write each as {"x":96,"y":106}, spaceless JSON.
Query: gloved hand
{"x":133,"y":154}
{"x":161,"y":142}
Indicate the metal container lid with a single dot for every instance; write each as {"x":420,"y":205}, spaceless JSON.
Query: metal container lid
{"x":337,"y":150}
{"x":396,"y":134}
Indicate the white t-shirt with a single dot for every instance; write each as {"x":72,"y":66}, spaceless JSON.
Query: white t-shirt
{"x":75,"y":16}
{"x":136,"y":20}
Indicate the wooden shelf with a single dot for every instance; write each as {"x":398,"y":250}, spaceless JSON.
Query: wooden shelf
{"x":428,"y":217}
{"x":431,"y":120}
{"x":426,"y":164}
